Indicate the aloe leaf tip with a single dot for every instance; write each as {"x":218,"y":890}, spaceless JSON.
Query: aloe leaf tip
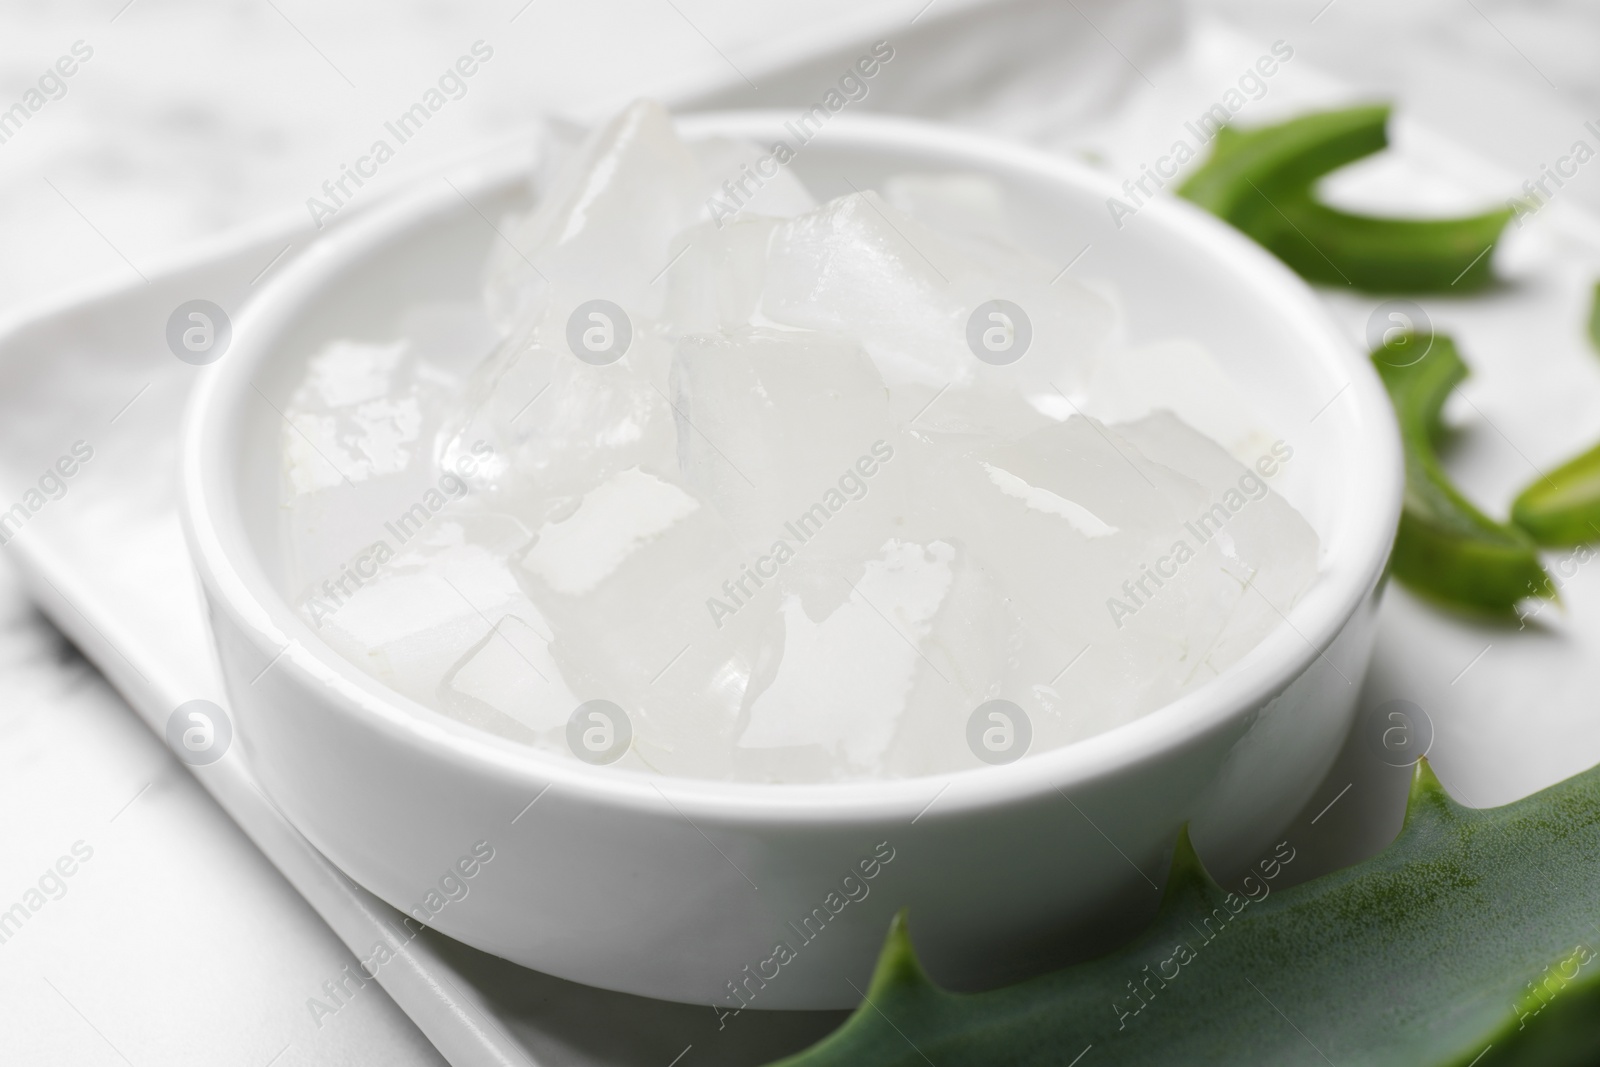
{"x":898,"y":966}
{"x":1428,"y":799}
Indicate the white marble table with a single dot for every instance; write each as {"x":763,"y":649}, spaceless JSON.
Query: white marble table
{"x":175,"y":942}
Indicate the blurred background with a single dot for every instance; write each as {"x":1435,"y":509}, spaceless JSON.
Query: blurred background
{"x":191,"y":119}
{"x":183,"y":123}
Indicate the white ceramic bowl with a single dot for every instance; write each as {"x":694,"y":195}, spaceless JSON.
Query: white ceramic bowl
{"x":682,"y":889}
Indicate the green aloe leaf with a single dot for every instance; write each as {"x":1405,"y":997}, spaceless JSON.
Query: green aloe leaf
{"x":1262,"y":182}
{"x":1594,"y":317}
{"x":1562,"y":508}
{"x":1446,"y":548}
{"x":1469,"y":941}
{"x":1279,"y":160}
{"x":1333,"y":247}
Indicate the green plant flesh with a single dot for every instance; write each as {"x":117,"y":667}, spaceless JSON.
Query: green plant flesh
{"x":1562,"y":508}
{"x":1473,"y":935}
{"x":1262,"y":182}
{"x":1446,"y":548}
{"x":1594,"y":317}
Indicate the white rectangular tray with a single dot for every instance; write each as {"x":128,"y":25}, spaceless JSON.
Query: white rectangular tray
{"x":108,"y":564}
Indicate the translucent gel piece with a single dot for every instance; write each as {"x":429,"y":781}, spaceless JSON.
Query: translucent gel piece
{"x":809,"y":520}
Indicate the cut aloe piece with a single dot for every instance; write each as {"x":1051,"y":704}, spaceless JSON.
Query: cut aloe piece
{"x":1278,"y":160}
{"x":1594,"y":317}
{"x":1562,"y":508}
{"x":1446,"y":548}
{"x":1262,"y":181}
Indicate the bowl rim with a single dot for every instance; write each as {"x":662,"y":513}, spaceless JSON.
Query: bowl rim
{"x":239,"y":586}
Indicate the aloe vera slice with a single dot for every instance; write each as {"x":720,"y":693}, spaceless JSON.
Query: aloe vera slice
{"x":1469,"y":940}
{"x":1594,"y":317}
{"x":1334,"y":247}
{"x":1446,"y":548}
{"x":1278,"y":160}
{"x":1562,"y":508}
{"x":1261,"y":181}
